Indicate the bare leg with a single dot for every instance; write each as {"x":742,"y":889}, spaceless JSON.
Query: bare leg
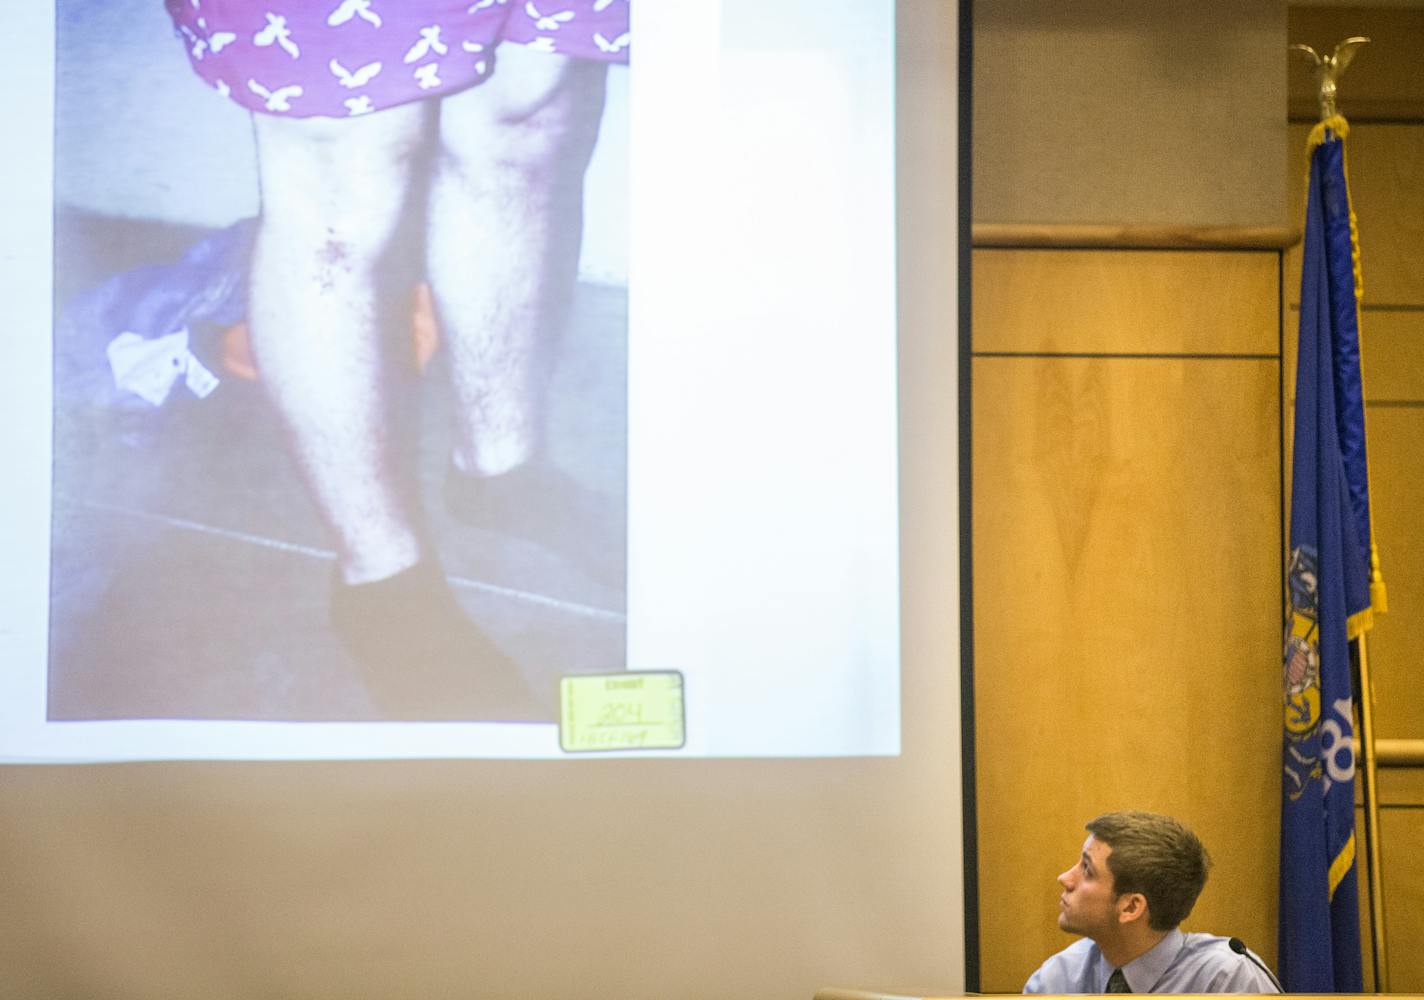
{"x":328,"y":310}
{"x":330,"y":307}
{"x":506,"y":223}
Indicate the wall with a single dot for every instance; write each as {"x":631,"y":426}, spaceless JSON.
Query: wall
{"x":1127,"y":504}
{"x":1138,"y":111}
{"x":1126,"y":448}
{"x":1130,"y":305}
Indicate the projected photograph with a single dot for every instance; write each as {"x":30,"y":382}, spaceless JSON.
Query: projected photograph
{"x":340,"y":351}
{"x":433,"y":379}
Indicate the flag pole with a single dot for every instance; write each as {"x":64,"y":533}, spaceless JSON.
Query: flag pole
{"x":1370,"y":797}
{"x":1328,"y":70}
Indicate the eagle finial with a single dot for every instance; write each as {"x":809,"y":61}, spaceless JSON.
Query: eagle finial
{"x":1329,"y":69}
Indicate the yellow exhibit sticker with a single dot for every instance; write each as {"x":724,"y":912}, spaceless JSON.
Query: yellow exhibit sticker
{"x":628,"y":711}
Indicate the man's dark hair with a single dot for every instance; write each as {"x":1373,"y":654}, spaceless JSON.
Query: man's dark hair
{"x":1158,"y":857}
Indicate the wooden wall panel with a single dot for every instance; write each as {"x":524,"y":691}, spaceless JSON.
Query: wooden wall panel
{"x":1386,"y":169}
{"x":1403,"y":786}
{"x":1403,"y":843}
{"x":1137,"y":301}
{"x":1392,"y":346}
{"x":1396,"y":445}
{"x":1127,"y":596}
{"x":1403,"y":840}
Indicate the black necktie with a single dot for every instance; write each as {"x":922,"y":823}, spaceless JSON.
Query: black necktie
{"x":1117,"y":982}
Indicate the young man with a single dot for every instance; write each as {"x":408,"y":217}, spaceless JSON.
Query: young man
{"x":1137,"y":879}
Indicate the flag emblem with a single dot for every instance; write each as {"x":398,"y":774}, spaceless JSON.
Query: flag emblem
{"x":1302,"y":666}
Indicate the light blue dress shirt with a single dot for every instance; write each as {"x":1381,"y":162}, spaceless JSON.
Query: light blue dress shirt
{"x":1179,"y":963}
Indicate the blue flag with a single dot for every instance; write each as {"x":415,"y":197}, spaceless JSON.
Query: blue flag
{"x":1328,"y":583}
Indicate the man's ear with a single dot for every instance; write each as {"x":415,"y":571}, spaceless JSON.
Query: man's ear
{"x":1131,"y":906}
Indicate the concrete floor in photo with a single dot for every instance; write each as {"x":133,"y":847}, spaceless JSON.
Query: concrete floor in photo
{"x":191,"y":574}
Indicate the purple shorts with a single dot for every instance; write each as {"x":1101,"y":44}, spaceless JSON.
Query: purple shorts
{"x":337,"y":58}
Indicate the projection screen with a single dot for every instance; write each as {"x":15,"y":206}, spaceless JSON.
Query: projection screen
{"x":647,"y":392}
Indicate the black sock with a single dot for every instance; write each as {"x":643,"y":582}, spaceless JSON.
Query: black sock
{"x":421,"y":657}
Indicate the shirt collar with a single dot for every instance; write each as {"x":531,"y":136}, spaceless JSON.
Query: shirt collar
{"x":1144,"y":971}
